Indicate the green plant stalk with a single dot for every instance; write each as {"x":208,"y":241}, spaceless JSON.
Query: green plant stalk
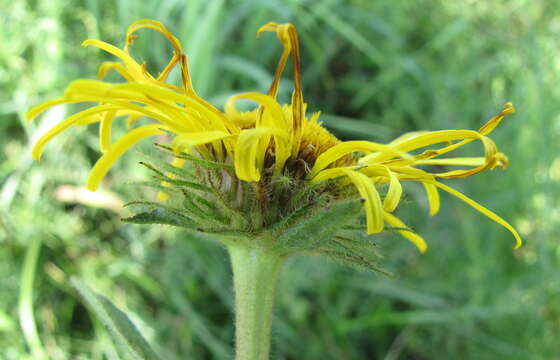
{"x":26,"y":316}
{"x":255,"y":273}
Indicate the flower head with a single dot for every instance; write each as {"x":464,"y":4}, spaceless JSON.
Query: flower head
{"x":275,"y":150}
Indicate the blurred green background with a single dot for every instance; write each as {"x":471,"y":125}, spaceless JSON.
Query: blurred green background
{"x":375,"y":69}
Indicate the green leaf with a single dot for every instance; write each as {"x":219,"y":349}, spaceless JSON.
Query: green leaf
{"x":321,"y":226}
{"x":196,"y":160}
{"x":160,"y":216}
{"x":127,"y":339}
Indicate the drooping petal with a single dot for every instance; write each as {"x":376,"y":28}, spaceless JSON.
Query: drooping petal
{"x":348,"y":147}
{"x":408,"y":234}
{"x":491,"y":215}
{"x":367,"y":190}
{"x":150,"y":24}
{"x":40,"y":144}
{"x":187,"y":140}
{"x":433,"y":197}
{"x":132,"y":67}
{"x":394,"y":194}
{"x":105,"y":130}
{"x":105,"y":67}
{"x":372,"y":204}
{"x":37,"y":110}
{"x":287,"y":34}
{"x":246,"y":151}
{"x":105,"y":162}
{"x":495,"y":121}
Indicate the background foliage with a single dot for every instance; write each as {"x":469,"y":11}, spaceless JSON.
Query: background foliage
{"x":375,"y":69}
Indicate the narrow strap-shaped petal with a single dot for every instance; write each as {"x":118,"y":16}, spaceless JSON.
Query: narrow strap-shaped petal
{"x":105,"y":162}
{"x":465,"y":161}
{"x":426,"y":139}
{"x":367,"y":190}
{"x":187,"y":140}
{"x":268,"y":102}
{"x":272,"y":117}
{"x":407,"y":234}
{"x":348,"y":147}
{"x":432,"y":194}
{"x":491,"y":215}
{"x":40,"y":144}
{"x":383,"y":174}
{"x":38,"y":109}
{"x":105,"y":67}
{"x":495,"y":121}
{"x":246,"y":151}
{"x":394,"y":194}
{"x":105,"y":130}
{"x":175,"y":43}
{"x":287,"y":34}
{"x":133,"y":68}
{"x":150,"y":24}
{"x":372,"y":204}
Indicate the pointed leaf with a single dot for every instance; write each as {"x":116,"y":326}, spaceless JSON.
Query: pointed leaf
{"x":160,"y":216}
{"x":127,"y":339}
{"x":321,"y":226}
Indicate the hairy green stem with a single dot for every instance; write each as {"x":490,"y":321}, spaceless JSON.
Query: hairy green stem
{"x":255,"y":273}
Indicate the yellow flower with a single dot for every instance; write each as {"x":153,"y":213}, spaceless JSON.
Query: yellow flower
{"x":272,"y":140}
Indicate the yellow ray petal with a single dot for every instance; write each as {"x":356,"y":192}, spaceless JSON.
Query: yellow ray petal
{"x":188,"y":140}
{"x":367,"y":190}
{"x":408,"y":234}
{"x":495,"y":121}
{"x":272,"y":117}
{"x":372,"y":204}
{"x":287,"y":34}
{"x":348,"y":147}
{"x":40,"y":144}
{"x":105,"y":67}
{"x":133,"y":68}
{"x":433,"y":197}
{"x":276,"y":115}
{"x":465,"y":161}
{"x":105,"y":130}
{"x":394,"y":194}
{"x":154,"y":25}
{"x":42,"y":107}
{"x":492,"y":216}
{"x":246,"y":151}
{"x":105,"y":162}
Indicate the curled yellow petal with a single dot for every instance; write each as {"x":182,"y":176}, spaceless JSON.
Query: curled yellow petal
{"x":133,"y":68}
{"x":372,"y":204}
{"x":105,"y":162}
{"x":348,"y":147}
{"x":42,"y":107}
{"x":394,"y":194}
{"x":105,"y":67}
{"x":40,"y":144}
{"x":464,"y":161}
{"x":492,"y":216}
{"x":105,"y":130}
{"x":247,"y":151}
{"x":287,"y":34}
{"x":150,"y":24}
{"x":495,"y":121}
{"x":407,"y":234}
{"x":433,"y":197}
{"x":367,"y":190}
{"x":187,"y":140}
